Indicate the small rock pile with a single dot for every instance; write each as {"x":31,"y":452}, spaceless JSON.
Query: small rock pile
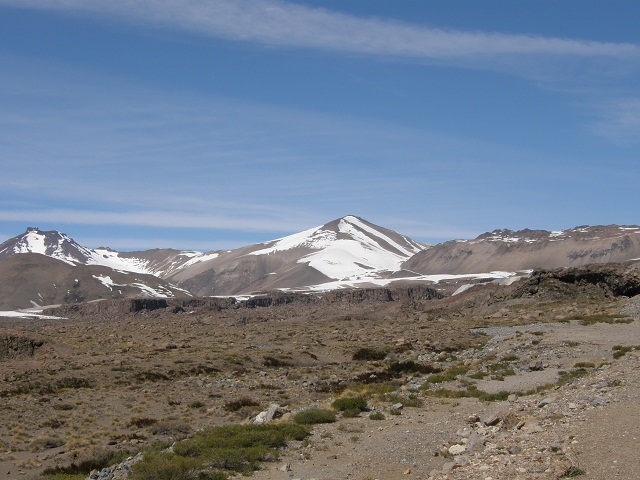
{"x":529,"y":438}
{"x":115,"y":472}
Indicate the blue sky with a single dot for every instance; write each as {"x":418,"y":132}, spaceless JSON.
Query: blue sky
{"x":207,"y":124}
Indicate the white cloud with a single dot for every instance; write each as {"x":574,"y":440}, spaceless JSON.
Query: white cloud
{"x":275,"y":22}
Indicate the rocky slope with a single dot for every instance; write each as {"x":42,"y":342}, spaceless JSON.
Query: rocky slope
{"x":510,"y":251}
{"x":32,"y":280}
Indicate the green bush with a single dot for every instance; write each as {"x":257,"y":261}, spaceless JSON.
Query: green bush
{"x":351,"y":413}
{"x":369,"y":354}
{"x":218,"y":452}
{"x":448,"y":375}
{"x":376,"y":416}
{"x":350,"y":403}
{"x":165,"y":466}
{"x":314,"y":415}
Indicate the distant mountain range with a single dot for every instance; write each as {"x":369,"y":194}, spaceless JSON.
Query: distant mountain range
{"x":41,"y":268}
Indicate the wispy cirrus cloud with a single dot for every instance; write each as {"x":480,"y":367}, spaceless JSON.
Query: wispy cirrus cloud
{"x":157,"y":218}
{"x":619,"y":122}
{"x":287,"y":24}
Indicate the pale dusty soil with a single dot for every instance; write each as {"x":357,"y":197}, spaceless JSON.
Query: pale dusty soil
{"x":600,"y":440}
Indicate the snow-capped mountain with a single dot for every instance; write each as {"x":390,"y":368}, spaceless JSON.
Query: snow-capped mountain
{"x":507,"y":250}
{"x":348,"y":250}
{"x":158,"y":262}
{"x":52,"y":244}
{"x":39,"y":266}
{"x":34,"y":280}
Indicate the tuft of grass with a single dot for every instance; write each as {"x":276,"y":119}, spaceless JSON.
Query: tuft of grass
{"x":501,"y":370}
{"x":350,"y":403}
{"x":602,"y":318}
{"x":351,"y":413}
{"x":366,"y":353}
{"x":235,"y":405}
{"x":139,"y":422}
{"x":313,"y":416}
{"x":172,"y":428}
{"x":376,"y":416}
{"x":275,"y":362}
{"x":45,"y":443}
{"x":471,"y":391}
{"x":620,"y":351}
{"x":410,"y":366}
{"x":448,"y":375}
{"x":410,"y":400}
{"x":91,"y":459}
{"x":584,"y":365}
{"x":572,"y":472}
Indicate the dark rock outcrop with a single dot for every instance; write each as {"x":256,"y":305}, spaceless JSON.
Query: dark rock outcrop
{"x":612,"y":279}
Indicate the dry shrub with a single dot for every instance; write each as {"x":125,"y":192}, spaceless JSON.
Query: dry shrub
{"x":44,"y":443}
{"x":172,"y":428}
{"x":139,"y":422}
{"x":235,"y":405}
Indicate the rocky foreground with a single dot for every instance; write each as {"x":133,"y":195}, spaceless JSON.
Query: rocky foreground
{"x":587,"y":427}
{"x":535,"y":380}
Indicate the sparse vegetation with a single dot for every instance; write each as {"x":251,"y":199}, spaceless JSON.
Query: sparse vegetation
{"x":572,"y":472}
{"x":140,"y":422}
{"x":410,"y":400}
{"x":448,"y":375}
{"x":275,"y":362}
{"x":313,"y":416}
{"x":377,"y":415}
{"x":366,"y":353}
{"x":172,"y":428}
{"x":343,"y":404}
{"x":235,"y":405}
{"x":602,"y":318}
{"x":218,"y":452}
{"x":156,"y":396}
{"x":620,"y":351}
{"x":89,"y":459}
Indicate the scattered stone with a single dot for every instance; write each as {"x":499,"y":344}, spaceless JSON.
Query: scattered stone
{"x":473,"y":419}
{"x":496,"y":418}
{"x":545,"y":402}
{"x":457,"y":449}
{"x":274,"y":411}
{"x":475,"y":443}
{"x":536,"y":365}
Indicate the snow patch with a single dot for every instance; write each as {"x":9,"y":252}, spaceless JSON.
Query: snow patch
{"x":201,"y":257}
{"x":105,"y":280}
{"x":25,"y":314}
